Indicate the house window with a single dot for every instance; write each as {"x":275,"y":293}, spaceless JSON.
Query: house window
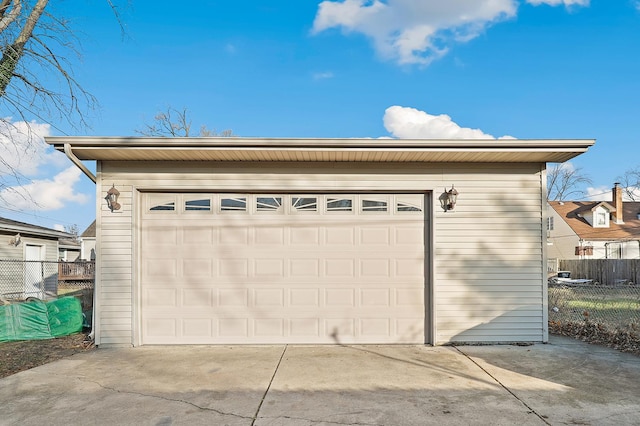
{"x":614,"y":250}
{"x":550,"y":223}
{"x":584,"y":251}
{"x":601,"y":219}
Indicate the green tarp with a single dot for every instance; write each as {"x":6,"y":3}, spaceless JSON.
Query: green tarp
{"x":36,"y":319}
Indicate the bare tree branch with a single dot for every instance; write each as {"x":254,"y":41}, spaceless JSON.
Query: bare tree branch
{"x":35,"y":45}
{"x":176,"y":123}
{"x":564,"y":181}
{"x":14,"y":12}
{"x":630,"y":182}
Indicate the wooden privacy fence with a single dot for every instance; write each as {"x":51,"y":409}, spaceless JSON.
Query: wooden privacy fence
{"x":603,"y":271}
{"x":76,"y":271}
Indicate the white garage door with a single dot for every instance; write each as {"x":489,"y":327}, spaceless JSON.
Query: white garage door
{"x":282,"y":268}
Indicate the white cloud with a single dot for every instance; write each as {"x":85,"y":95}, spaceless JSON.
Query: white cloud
{"x":598,"y":193}
{"x":46,"y":194}
{"x":413,"y":31}
{"x":23,"y":148}
{"x":567,"y":3}
{"x":409,"y":123}
{"x":322,"y":75}
{"x":605,"y":193}
{"x":418,"y":31}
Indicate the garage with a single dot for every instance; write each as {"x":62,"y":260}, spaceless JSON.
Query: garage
{"x":319,"y":241}
{"x":317,"y":268}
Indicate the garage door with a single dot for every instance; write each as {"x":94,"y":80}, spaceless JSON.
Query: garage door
{"x":282,"y":268}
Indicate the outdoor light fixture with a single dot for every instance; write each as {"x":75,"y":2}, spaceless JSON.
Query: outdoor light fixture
{"x":112,"y":198}
{"x":452,"y":197}
{"x":15,"y":241}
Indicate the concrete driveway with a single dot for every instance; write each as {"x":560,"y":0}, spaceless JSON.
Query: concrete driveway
{"x":564,"y":382}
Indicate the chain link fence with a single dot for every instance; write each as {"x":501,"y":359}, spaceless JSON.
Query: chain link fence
{"x":21,"y":279}
{"x":602,"y":314}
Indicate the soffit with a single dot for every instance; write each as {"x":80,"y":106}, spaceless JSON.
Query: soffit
{"x":321,"y":150}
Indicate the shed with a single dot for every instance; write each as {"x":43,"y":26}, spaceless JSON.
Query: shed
{"x":319,"y":241}
{"x":28,"y":259}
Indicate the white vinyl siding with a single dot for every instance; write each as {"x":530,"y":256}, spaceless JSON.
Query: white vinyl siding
{"x":487,"y":275}
{"x":10,"y":251}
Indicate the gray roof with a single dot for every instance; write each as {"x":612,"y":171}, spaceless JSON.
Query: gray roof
{"x":8,"y":225}
{"x":90,"y":231}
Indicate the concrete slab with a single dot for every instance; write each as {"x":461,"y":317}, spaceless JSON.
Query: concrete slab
{"x":166,"y":385}
{"x":565,"y":382}
{"x":386,"y":385}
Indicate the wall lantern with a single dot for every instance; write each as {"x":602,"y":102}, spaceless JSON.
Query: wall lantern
{"x":112,"y":198}
{"x":15,"y":240}
{"x":452,"y":197}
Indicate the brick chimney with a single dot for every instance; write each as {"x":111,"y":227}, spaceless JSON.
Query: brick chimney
{"x":617,"y":202}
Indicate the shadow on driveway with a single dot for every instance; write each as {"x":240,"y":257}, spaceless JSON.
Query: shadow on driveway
{"x":562,"y":382}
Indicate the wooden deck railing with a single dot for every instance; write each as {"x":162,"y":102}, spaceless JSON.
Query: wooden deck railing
{"x":76,"y":271}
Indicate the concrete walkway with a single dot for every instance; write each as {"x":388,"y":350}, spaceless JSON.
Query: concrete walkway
{"x":564,"y":382}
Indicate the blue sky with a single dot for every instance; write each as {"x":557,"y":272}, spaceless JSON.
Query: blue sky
{"x":352,"y":68}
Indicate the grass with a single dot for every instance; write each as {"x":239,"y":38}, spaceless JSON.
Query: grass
{"x":606,"y":305}
{"x":613,"y":307}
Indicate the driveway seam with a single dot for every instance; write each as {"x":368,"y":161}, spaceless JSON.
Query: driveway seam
{"x":264,"y":396}
{"x":502,"y":385}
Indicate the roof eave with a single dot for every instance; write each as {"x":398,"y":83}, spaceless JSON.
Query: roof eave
{"x":34,"y":231}
{"x":290,"y":149}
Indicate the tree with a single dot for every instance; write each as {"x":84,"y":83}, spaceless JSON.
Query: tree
{"x":36,"y":77}
{"x":176,"y":123}
{"x":35,"y":43}
{"x":73,"y":230}
{"x":563,"y":181}
{"x":630,"y":182}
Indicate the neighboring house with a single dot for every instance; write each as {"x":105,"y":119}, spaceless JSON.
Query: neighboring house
{"x":24,"y":242}
{"x":68,"y":249}
{"x":334,"y":241}
{"x":88,"y":243}
{"x":594,"y":229}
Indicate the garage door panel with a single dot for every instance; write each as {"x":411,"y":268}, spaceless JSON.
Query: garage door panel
{"x":234,"y":235}
{"x":261,"y":330}
{"x":197,"y":328}
{"x":375,"y":235}
{"x":199,"y":236}
{"x":269,"y":236}
{"x":304,"y":236}
{"x":233,"y":267}
{"x":198,"y":298}
{"x":340,"y":236}
{"x":269,"y":267}
{"x":285,"y":275}
{"x":304,"y":327}
{"x":304,"y":267}
{"x":410,"y":235}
